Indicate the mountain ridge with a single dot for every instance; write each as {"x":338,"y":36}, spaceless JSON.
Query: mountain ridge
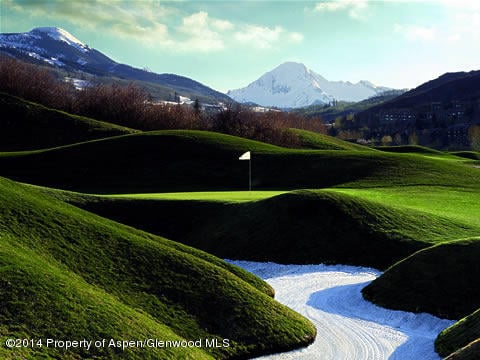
{"x":58,"y":48}
{"x":293,"y":85}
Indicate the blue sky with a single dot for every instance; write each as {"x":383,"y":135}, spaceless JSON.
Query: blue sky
{"x":228,"y":44}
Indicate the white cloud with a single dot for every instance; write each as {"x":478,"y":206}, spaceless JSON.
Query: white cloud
{"x":462,"y":4}
{"x":199,"y":33}
{"x":259,"y":36}
{"x":296,"y":37}
{"x":222,"y":25}
{"x":155,"y":24}
{"x":415,"y":32}
{"x":356,"y":8}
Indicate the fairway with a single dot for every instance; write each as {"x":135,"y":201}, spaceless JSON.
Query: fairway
{"x":224,"y":196}
{"x":461,"y":204}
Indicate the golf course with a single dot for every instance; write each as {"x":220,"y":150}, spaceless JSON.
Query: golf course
{"x":115,"y":233}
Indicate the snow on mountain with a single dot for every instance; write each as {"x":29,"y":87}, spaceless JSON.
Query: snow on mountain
{"x":62,"y":35}
{"x":292,"y":85}
{"x":52,"y":45}
{"x":57,"y":47}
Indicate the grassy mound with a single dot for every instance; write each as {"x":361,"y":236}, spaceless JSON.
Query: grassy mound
{"x":473,"y":155}
{"x":460,"y":335}
{"x":172,"y":161}
{"x":69,"y":274}
{"x":441,"y":280}
{"x":297,"y":227}
{"x":468,"y":352}
{"x":410,"y":149}
{"x":25,"y":125}
{"x":312,"y":140}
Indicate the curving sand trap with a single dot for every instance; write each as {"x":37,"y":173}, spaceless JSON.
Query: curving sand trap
{"x":348,"y":327}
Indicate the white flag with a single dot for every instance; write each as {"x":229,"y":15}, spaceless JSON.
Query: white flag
{"x":245,"y":156}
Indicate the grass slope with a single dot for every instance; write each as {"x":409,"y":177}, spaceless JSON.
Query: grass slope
{"x":25,"y":125}
{"x":69,"y":274}
{"x":468,"y":352}
{"x":312,"y":140}
{"x":473,"y":155}
{"x":460,"y":335}
{"x":410,"y":149}
{"x":295,"y":227}
{"x":173,"y":161}
{"x":441,"y":280}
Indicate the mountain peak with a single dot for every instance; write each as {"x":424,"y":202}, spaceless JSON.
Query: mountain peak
{"x":291,"y":65}
{"x":292,"y":84}
{"x":60,"y":34}
{"x":289,"y":85}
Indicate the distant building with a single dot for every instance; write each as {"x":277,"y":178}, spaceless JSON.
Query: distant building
{"x":392,"y":115}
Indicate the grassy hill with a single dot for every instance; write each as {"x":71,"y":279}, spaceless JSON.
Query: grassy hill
{"x":69,"y":274}
{"x":296,"y":227}
{"x":176,"y":160}
{"x":364,"y":207}
{"x":25,"y":125}
{"x":474,"y":155}
{"x":312,"y":140}
{"x":440,"y":280}
{"x":462,"y":337}
{"x":410,"y":149}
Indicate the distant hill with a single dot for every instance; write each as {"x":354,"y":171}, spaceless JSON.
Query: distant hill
{"x":25,"y":125}
{"x":443,"y":113}
{"x":61,"y":50}
{"x":329,"y":113}
{"x":460,"y":86}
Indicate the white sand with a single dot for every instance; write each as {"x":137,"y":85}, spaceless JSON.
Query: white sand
{"x":348,"y":327}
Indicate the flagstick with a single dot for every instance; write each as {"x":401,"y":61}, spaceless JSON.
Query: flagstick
{"x":247,"y":156}
{"x":250,"y":175}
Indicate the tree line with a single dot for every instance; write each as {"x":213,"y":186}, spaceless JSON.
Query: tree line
{"x":131,"y":106}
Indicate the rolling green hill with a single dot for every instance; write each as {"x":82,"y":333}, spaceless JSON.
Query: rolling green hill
{"x":474,"y":155}
{"x":461,"y":334}
{"x":69,"y":274}
{"x":316,"y":141}
{"x":297,"y":227}
{"x":176,"y":160}
{"x":366,"y":207}
{"x":410,"y":149}
{"x":440,"y":280}
{"x":25,"y":125}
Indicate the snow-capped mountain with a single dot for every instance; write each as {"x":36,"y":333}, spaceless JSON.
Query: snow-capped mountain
{"x":53,"y":46}
{"x":58,"y":48}
{"x":292,"y":85}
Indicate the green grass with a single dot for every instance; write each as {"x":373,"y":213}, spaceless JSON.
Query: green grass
{"x":301,"y":226}
{"x":473,"y":155}
{"x":459,"y":335}
{"x":455,"y":203}
{"x":223,"y":196}
{"x":66,"y":273}
{"x":316,"y":141}
{"x":441,"y":280}
{"x":410,"y":149}
{"x":469,"y":352}
{"x":182,"y":161}
{"x":25,"y":125}
{"x":88,"y":276}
